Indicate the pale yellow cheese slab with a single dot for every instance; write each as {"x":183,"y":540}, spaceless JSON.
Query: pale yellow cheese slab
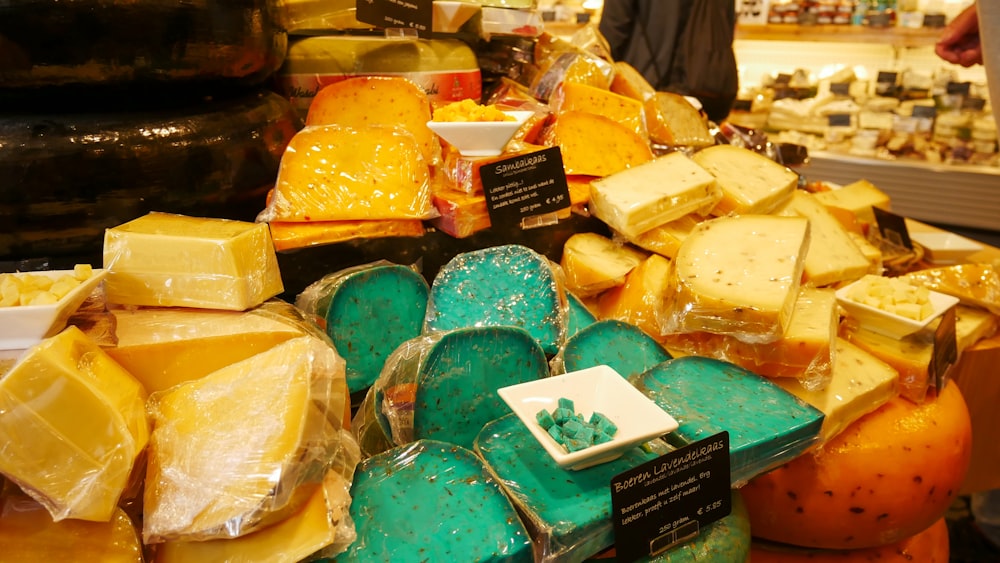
{"x":750,"y":182}
{"x":857,"y":197}
{"x":667,"y":238}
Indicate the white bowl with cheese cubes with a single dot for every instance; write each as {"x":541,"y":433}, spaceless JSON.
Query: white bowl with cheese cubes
{"x":480,"y":138}
{"x":892,"y":306}
{"x":36,"y":305}
{"x":587,"y":417}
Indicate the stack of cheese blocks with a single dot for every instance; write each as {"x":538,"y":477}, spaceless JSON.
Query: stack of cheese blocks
{"x":187,"y":400}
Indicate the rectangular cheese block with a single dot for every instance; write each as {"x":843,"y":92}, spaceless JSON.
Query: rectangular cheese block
{"x":245,"y":445}
{"x":573,"y":96}
{"x":637,"y":300}
{"x":860,"y":383}
{"x":291,"y":235}
{"x":72,"y":422}
{"x":460,"y":214}
{"x":857,"y":197}
{"x":592,"y":263}
{"x":665,"y":239}
{"x":672,"y":121}
{"x":594,"y":145}
{"x":750,"y":182}
{"x":737,"y":275}
{"x":833,"y":257}
{"x":162,"y":259}
{"x":654,"y":193}
{"x":463,"y":173}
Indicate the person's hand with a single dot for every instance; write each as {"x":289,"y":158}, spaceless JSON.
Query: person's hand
{"x":959,"y":43}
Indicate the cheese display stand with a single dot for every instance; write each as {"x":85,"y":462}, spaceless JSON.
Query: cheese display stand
{"x":293,"y":307}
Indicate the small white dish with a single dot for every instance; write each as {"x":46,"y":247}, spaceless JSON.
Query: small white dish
{"x":600,"y":389}
{"x":480,"y":138}
{"x":945,"y":248}
{"x":450,"y":16}
{"x":890,"y":324}
{"x":24,"y":326}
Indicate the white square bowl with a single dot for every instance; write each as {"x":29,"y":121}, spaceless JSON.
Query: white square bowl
{"x":24,"y":326}
{"x":945,"y":248}
{"x":890,"y":324}
{"x":480,"y":138}
{"x":600,"y":389}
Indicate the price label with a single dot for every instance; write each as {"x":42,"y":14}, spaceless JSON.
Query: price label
{"x":524,"y":190}
{"x":416,"y":15}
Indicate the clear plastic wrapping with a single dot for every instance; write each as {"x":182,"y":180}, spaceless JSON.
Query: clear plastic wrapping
{"x":973,"y":284}
{"x":291,"y":235}
{"x":559,"y":61}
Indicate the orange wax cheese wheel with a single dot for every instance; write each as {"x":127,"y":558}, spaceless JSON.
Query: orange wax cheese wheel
{"x":244,"y":445}
{"x":28,"y":533}
{"x":672,"y":120}
{"x":637,"y":299}
{"x":886,"y":477}
{"x":363,"y":101}
{"x":594,"y":145}
{"x":73,"y":423}
{"x":292,"y":235}
{"x":341,"y":173}
{"x":573,"y":96}
{"x":929,"y":546}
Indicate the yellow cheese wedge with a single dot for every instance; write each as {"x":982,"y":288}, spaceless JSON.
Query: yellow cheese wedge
{"x":73,"y":423}
{"x":667,"y":238}
{"x":857,"y":197}
{"x":28,"y":533}
{"x":573,"y":96}
{"x":653,"y":193}
{"x":392,"y":101}
{"x":738,"y":275}
{"x":559,"y":62}
{"x":631,"y":83}
{"x":165,"y":346}
{"x":289,"y":236}
{"x":750,"y":182}
{"x":341,"y":173}
{"x":637,"y":300}
{"x":671,"y":120}
{"x":860,"y":383}
{"x":319,"y":525}
{"x":832,"y":256}
{"x":594,"y":145}
{"x":244,"y":446}
{"x":910,"y":356}
{"x":973,"y":324}
{"x":168,"y":260}
{"x":593,"y":263}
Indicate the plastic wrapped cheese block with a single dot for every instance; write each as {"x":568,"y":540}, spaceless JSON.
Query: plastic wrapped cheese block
{"x":508,"y":285}
{"x":857,"y":197}
{"x":321,"y":527}
{"x":652,"y":194}
{"x":292,"y":235}
{"x":165,"y":346}
{"x":443,"y":386}
{"x":163,"y":259}
{"x":973,"y":284}
{"x":832,"y":256}
{"x":343,"y":173}
{"x":750,"y":182}
{"x":674,"y":122}
{"x":911,"y":356}
{"x":569,"y":513}
{"x":630,"y":82}
{"x":594,"y":145}
{"x":460,"y":214}
{"x":368,"y":311}
{"x":28,"y":533}
{"x":574,"y":96}
{"x":432,"y":501}
{"x":622,"y":346}
{"x":72,"y":424}
{"x":593,"y":263}
{"x":768,"y":427}
{"x":637,"y":300}
{"x":245,"y":446}
{"x":859,"y":384}
{"x":737,"y":275}
{"x":665,"y":239}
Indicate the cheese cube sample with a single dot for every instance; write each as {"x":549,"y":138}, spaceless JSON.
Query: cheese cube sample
{"x":667,"y":238}
{"x":594,"y":145}
{"x":72,"y":423}
{"x":161,"y":259}
{"x":673,"y":121}
{"x":163,"y":347}
{"x":28,"y":533}
{"x":572,"y":96}
{"x":750,"y":182}
{"x":654,"y":193}
{"x":341,"y":173}
{"x":857,"y":197}
{"x":245,"y":445}
{"x":860,"y":383}
{"x":636,"y":301}
{"x":593,"y":263}
{"x":737,"y":275}
{"x":362,"y":101}
{"x":833,"y":257}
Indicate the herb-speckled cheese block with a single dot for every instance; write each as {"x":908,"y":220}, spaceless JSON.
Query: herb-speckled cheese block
{"x":510,"y":285}
{"x":594,"y":145}
{"x":767,"y":425}
{"x":750,"y":182}
{"x":737,"y":275}
{"x":653,"y":193}
{"x":622,"y":346}
{"x":431,"y":501}
{"x":368,"y":311}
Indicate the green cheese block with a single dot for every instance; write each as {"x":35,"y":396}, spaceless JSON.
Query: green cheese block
{"x":368,"y":311}
{"x":579,"y":315}
{"x":432,"y":501}
{"x":509,"y":285}
{"x":622,"y":346}
{"x":767,"y":425}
